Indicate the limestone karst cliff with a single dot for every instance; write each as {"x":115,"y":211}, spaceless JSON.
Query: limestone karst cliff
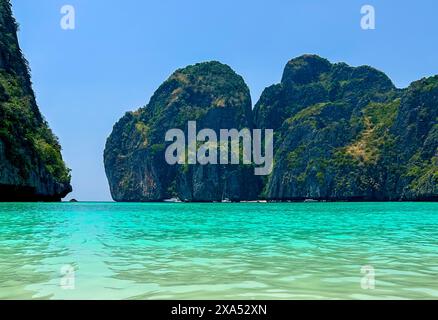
{"x":31,"y":165}
{"x":347,"y":133}
{"x":341,"y":133}
{"x":211,"y":94}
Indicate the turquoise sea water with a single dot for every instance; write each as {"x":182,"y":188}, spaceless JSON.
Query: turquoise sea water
{"x":223,"y":251}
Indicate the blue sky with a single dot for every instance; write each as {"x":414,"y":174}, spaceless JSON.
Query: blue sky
{"x":121,"y":51}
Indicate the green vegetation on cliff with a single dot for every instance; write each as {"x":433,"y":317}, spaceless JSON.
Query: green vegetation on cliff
{"x":347,"y":133}
{"x":31,"y":165}
{"x":341,"y":133}
{"x":211,"y":94}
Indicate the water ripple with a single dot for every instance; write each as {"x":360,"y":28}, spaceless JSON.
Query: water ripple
{"x":219,"y":251}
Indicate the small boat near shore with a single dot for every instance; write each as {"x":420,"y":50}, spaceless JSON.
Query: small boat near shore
{"x":172,"y":200}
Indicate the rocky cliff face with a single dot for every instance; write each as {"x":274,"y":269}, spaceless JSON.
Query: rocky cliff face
{"x":341,"y":133}
{"x":347,"y":133}
{"x":31,"y":165}
{"x":209,"y":93}
{"x":416,"y":140}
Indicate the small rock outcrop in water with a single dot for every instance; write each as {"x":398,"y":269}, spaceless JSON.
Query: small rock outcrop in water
{"x":211,"y":94}
{"x":341,"y":133}
{"x":31,"y":165}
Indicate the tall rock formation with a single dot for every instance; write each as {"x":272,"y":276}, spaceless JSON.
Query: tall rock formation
{"x":31,"y":165}
{"x":347,"y":133}
{"x":211,"y":94}
{"x":341,"y":133}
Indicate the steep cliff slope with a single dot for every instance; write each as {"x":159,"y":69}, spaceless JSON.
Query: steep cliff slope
{"x":347,"y":133}
{"x":341,"y":133}
{"x":209,"y":93}
{"x":31,"y":165}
